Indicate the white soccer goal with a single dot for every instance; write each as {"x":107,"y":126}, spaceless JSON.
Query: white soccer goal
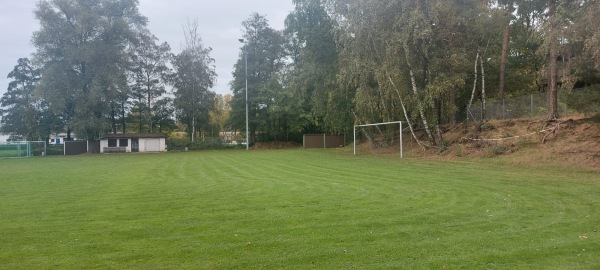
{"x":38,"y":148}
{"x":399,"y":123}
{"x":22,"y":149}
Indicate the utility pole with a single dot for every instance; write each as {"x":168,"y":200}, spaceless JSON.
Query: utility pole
{"x":246,"y":66}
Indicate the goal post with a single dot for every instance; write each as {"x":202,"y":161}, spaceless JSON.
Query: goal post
{"x":38,"y":148}
{"x":22,"y":149}
{"x":399,"y":123}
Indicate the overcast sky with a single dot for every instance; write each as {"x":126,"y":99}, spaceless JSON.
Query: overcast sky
{"x":219,"y":21}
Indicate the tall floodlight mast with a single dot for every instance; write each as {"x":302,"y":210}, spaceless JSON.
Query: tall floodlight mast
{"x":246,"y":67}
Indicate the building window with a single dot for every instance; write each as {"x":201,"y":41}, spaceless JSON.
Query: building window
{"x":123,"y":142}
{"x":112,"y":142}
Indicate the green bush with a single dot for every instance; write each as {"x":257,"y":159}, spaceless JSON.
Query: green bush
{"x":586,"y":100}
{"x":496,"y":150}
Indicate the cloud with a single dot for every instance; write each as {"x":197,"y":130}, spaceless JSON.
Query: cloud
{"x":220,"y":26}
{"x":17,"y":24}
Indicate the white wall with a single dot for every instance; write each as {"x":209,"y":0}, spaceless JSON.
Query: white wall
{"x":104,"y":143}
{"x":146,"y":145}
{"x":152,"y":145}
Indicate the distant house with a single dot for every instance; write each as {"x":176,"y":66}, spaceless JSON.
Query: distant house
{"x":126,"y":143}
{"x":60,"y":138}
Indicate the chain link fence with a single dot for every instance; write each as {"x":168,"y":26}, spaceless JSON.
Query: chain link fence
{"x":533,"y":105}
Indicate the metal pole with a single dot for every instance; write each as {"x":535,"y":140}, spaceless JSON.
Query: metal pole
{"x":354,"y":141}
{"x":246,"y":65}
{"x":401,"y":146}
{"x":247,"y":129}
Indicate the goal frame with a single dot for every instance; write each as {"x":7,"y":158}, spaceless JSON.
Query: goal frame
{"x":378,"y":124}
{"x":24,"y":149}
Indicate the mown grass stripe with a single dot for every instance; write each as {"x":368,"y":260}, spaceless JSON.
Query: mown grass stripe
{"x":293,"y":209}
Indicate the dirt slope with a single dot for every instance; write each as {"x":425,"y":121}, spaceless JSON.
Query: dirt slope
{"x":572,"y":141}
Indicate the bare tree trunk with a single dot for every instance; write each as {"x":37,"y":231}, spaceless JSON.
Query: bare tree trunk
{"x":141,"y":120}
{"x":483,"y":98}
{"x":149,"y":108}
{"x":504,"y":54}
{"x":410,"y":126}
{"x":194,"y":128}
{"x":553,"y":47}
{"x":382,"y":100}
{"x":123,"y":122}
{"x":408,"y":122}
{"x":439,"y":106}
{"x":452,"y":98}
{"x":475,"y":75}
{"x":415,"y":91}
{"x":113,"y":120}
{"x":552,"y":86}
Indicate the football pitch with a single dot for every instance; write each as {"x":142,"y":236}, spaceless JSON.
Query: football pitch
{"x":294,"y":209}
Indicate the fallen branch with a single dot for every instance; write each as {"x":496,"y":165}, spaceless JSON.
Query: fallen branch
{"x":503,"y":139}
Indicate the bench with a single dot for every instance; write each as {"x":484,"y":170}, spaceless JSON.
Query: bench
{"x":117,"y":149}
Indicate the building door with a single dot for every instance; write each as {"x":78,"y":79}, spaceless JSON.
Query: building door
{"x":135,"y":145}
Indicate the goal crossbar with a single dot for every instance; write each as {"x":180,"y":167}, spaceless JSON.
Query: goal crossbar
{"x":377,"y":124}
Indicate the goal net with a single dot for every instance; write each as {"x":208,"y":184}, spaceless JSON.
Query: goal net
{"x":378,"y":138}
{"x":22,"y":149}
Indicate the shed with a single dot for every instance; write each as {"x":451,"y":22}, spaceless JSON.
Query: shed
{"x":134,"y":142}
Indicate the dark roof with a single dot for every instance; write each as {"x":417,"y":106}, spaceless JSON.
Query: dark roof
{"x":134,"y":135}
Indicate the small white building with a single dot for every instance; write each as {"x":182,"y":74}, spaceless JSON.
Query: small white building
{"x":127,"y":143}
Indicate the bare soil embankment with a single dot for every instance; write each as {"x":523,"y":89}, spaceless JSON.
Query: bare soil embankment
{"x":570,"y":141}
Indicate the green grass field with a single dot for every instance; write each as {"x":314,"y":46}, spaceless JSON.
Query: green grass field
{"x":294,"y":209}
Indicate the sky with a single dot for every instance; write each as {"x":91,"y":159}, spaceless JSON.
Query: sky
{"x":219,"y":26}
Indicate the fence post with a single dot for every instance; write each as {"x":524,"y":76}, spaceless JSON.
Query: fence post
{"x":303,"y":140}
{"x":503,"y":109}
{"x":401,"y":146}
{"x":354,"y":140}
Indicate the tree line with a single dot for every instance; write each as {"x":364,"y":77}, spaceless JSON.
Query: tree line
{"x":336,"y":63}
{"x":339,"y":63}
{"x":98,"y":69}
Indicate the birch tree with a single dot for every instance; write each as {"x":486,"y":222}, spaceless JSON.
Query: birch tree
{"x":194,"y":76}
